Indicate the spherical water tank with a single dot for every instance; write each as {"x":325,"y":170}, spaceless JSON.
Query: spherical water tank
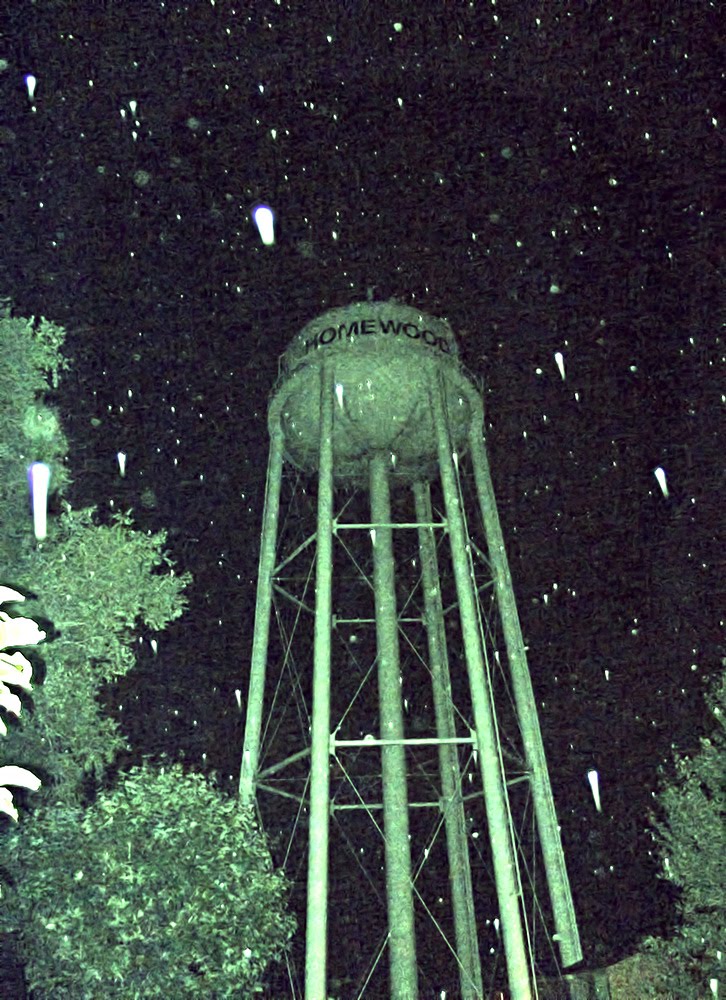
{"x":383,"y":360}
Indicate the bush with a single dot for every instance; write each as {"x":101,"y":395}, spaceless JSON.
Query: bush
{"x":691,"y":839}
{"x":163,"y":887}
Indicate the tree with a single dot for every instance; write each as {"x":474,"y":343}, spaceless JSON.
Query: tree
{"x":691,"y":838}
{"x":161,"y":886}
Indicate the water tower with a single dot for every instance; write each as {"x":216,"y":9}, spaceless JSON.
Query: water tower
{"x":390,"y":701}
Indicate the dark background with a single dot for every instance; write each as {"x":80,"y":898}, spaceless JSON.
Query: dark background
{"x":542,"y":175}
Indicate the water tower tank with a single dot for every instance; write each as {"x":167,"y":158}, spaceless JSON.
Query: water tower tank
{"x":384,"y":355}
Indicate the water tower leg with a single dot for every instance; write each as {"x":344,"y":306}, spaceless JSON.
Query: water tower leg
{"x":563,"y":909}
{"x":260,"y":642}
{"x":399,"y":889}
{"x":495,"y":795}
{"x":462,"y":892}
{"x":319,"y":826}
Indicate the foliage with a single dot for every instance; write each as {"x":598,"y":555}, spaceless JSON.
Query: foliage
{"x":112,"y":573}
{"x":691,"y":838}
{"x":66,"y":738}
{"x":163,"y":887}
{"x":31,"y":354}
{"x":99,"y":584}
{"x":30,"y":430}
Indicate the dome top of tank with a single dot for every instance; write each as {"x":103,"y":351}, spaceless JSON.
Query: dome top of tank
{"x":384,"y":321}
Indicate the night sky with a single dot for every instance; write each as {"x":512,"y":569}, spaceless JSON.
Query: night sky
{"x":541,"y":175}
